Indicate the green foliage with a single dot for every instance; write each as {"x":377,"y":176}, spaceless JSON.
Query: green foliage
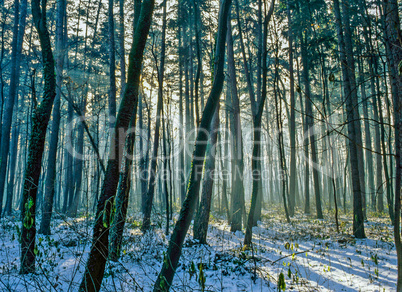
{"x":281,"y":282}
{"x":201,"y":277}
{"x":374,"y":257}
{"x":192,"y":270}
{"x":400,"y":68}
{"x":108,"y":217}
{"x":28,"y":219}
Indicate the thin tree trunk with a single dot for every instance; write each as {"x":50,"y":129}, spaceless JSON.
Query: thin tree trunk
{"x":201,"y":219}
{"x":292,"y":126}
{"x":237,"y":146}
{"x":7,"y":117}
{"x":112,"y":65}
{"x":40,"y":121}
{"x":165,"y":278}
{"x":256,"y":159}
{"x":358,"y":219}
{"x":146,"y":222}
{"x":95,"y":266}
{"x":54,"y":138}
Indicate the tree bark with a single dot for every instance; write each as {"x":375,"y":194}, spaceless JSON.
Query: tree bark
{"x":237,"y":202}
{"x":201,"y":219}
{"x":165,"y":278}
{"x":40,"y":121}
{"x":256,"y":157}
{"x":146,"y":222}
{"x":54,"y":138}
{"x":358,"y":219}
{"x":95,"y":266}
{"x":7,"y":117}
{"x":292,"y":122}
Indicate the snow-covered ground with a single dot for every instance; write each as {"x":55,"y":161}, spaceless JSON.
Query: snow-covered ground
{"x":309,"y":253}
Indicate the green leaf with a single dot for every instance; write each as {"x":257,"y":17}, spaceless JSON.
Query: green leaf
{"x":400,"y":68}
{"x":281,"y":282}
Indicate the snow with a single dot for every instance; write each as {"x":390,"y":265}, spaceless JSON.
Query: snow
{"x":309,"y":253}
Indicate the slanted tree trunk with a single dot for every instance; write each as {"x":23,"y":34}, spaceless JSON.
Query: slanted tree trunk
{"x":123,"y":192}
{"x":146,"y":222}
{"x":257,"y":117}
{"x":54,"y":138}
{"x":95,"y":266}
{"x":201,"y":219}
{"x":165,"y":277}
{"x":40,"y":121}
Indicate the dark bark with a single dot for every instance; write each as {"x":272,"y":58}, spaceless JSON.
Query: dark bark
{"x":165,"y":278}
{"x":201,"y":218}
{"x":122,"y":197}
{"x":54,"y":138}
{"x":292,"y":121}
{"x":257,"y":116}
{"x":112,"y":65}
{"x":40,"y":121}
{"x":310,"y":124}
{"x":95,"y":266}
{"x":146,"y":222}
{"x":358,"y":219}
{"x":394,"y":56}
{"x":237,"y":202}
{"x":7,"y":117}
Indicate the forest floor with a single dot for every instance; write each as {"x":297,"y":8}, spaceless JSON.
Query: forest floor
{"x":310,"y":254}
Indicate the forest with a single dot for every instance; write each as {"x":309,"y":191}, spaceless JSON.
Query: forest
{"x":200,"y":145}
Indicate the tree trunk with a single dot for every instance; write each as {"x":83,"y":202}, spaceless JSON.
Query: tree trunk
{"x":237,"y":146}
{"x":165,"y":278}
{"x":358,"y":219}
{"x":40,"y":121}
{"x":112,"y":65}
{"x":7,"y":117}
{"x":394,"y":55}
{"x":201,"y":219}
{"x":95,"y":266}
{"x":146,"y":222}
{"x":292,"y":132}
{"x":256,"y":159}
{"x":54,"y":138}
{"x":310,"y":129}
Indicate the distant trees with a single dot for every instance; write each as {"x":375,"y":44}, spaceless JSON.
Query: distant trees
{"x":311,"y":106}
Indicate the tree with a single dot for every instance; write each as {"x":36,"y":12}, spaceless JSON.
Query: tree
{"x":257,"y":116}
{"x":16,"y":48}
{"x":146,"y":222}
{"x":358,"y":221}
{"x":237,"y":202}
{"x":393,"y":35}
{"x":98,"y":255}
{"x":171,"y":260}
{"x":40,"y":121}
{"x":201,"y":219}
{"x":54,"y":138}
